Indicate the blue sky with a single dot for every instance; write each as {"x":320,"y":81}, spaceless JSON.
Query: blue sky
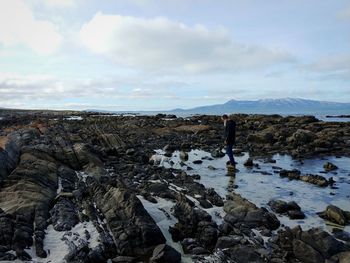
{"x":147,"y":54}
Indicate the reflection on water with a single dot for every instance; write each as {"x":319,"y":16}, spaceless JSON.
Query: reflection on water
{"x":260,"y":188}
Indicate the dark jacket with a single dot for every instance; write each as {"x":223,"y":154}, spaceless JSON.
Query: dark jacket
{"x":230,"y":132}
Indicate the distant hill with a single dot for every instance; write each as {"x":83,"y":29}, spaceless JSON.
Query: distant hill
{"x":271,"y":106}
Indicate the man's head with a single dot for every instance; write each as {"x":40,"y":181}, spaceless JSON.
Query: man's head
{"x":224,"y":118}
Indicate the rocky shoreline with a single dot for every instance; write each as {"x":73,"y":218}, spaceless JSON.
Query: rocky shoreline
{"x":60,"y":173}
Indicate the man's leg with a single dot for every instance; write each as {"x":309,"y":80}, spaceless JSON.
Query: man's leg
{"x":230,"y":154}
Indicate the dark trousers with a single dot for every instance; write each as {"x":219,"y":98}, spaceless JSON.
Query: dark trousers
{"x":230,"y":153}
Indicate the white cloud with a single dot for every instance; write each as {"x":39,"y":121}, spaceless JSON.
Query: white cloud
{"x":332,"y":63}
{"x":27,"y":91}
{"x":162,"y":44}
{"x":331,"y":67}
{"x":59,"y":3}
{"x":19,"y":26}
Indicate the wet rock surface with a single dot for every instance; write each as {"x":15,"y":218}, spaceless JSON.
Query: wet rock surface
{"x":80,"y":185}
{"x":314,"y":245}
{"x":292,"y":209}
{"x":336,"y":215}
{"x":315,"y":179}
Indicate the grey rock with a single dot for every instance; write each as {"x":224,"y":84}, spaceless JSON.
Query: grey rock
{"x":165,"y":253}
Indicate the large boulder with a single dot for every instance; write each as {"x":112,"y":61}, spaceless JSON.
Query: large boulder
{"x":312,"y":246}
{"x":306,"y":253}
{"x":336,"y":215}
{"x":134,"y":231}
{"x":244,"y":254}
{"x":64,"y":214}
{"x":301,"y":137}
{"x":292,"y":209}
{"x":217,"y":153}
{"x":90,"y":162}
{"x":27,"y":194}
{"x":164,"y":253}
{"x":10,"y":147}
{"x":240,"y":212}
{"x":265,"y":136}
{"x":343,"y":257}
{"x":328,"y":166}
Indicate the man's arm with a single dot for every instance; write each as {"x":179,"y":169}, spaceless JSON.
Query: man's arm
{"x":226,"y":134}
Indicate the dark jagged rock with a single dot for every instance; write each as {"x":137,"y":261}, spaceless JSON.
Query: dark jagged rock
{"x":341,"y":234}
{"x":10,"y":147}
{"x":78,"y":253}
{"x":6,"y":230}
{"x":343,"y":257}
{"x":336,"y":215}
{"x":291,"y":174}
{"x":135,"y":232}
{"x":64,"y":214}
{"x":315,"y":179}
{"x":242,"y":213}
{"x":205,"y":204}
{"x":7,"y":257}
{"x":214,"y":197}
{"x":301,"y":137}
{"x":228,"y":241}
{"x":329,"y":167}
{"x":130,"y":151}
{"x":249,"y":163}
{"x":305,"y":252}
{"x":309,"y":178}
{"x":68,"y":178}
{"x":193,"y":223}
{"x":207,"y":234}
{"x":314,"y":245}
{"x":124,"y":259}
{"x":183,"y":156}
{"x":41,"y":152}
{"x":244,"y":254}
{"x":295,"y":214}
{"x":27,"y":193}
{"x":165,"y":253}
{"x":292,"y":209}
{"x":217,"y":153}
{"x":88,"y":160}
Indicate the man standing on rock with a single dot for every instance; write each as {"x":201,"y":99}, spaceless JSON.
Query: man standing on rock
{"x":230,"y":139}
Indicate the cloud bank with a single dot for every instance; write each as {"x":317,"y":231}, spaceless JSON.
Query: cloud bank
{"x":163,"y":44}
{"x":18,"y":26}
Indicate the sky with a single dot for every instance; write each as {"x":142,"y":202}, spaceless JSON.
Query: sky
{"x":166,"y":54}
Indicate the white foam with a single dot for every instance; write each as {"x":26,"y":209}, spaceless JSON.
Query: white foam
{"x":176,"y":188}
{"x":161,"y":214}
{"x":74,"y":118}
{"x":82,"y":175}
{"x":217,"y":214}
{"x":59,"y":189}
{"x":56,"y":246}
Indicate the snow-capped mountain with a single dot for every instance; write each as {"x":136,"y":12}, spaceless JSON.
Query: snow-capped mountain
{"x":273,"y":106}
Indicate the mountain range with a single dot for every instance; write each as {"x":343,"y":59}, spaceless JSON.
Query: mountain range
{"x":284,"y":106}
{"x":271,"y":106}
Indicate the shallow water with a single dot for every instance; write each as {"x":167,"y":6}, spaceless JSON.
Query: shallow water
{"x":259,"y":188}
{"x":333,"y":119}
{"x":57,"y":248}
{"x":74,"y":118}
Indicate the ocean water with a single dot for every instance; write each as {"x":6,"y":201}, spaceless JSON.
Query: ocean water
{"x":261,"y":188}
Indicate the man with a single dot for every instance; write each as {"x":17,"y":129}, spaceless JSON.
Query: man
{"x":230,"y":138}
